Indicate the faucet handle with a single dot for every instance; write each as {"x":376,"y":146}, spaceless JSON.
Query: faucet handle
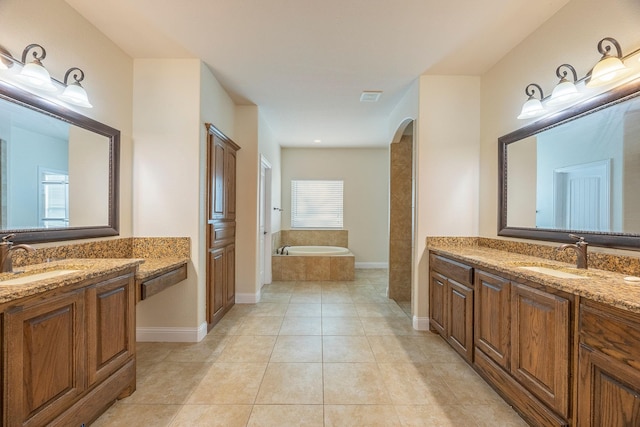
{"x":7,"y":237}
{"x":580,"y":239}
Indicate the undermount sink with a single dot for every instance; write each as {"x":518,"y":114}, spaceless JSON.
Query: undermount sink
{"x":552,"y":272}
{"x":38,"y":276}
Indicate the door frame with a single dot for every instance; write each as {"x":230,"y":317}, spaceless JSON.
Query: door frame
{"x":265,"y":209}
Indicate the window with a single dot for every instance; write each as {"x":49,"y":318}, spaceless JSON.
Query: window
{"x":316,"y":203}
{"x":54,"y":198}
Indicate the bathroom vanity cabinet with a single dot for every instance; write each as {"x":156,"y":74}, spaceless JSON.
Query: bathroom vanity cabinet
{"x":521,"y":335}
{"x":608,"y":366}
{"x":69,"y":353}
{"x":451,"y":303}
{"x":221,"y":224}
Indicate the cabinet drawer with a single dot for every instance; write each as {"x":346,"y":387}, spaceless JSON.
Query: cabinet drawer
{"x":223,"y":233}
{"x":612,"y":331}
{"x":454,"y":270}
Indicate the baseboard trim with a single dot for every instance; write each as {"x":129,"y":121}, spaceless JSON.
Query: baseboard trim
{"x":248,"y":298}
{"x":420,"y":323}
{"x":169,"y":334}
{"x":372,"y":265}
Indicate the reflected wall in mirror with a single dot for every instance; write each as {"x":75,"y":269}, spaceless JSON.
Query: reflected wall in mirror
{"x":58,"y":171}
{"x":576,"y":173}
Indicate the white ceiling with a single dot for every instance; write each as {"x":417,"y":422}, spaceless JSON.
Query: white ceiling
{"x":306,"y":62}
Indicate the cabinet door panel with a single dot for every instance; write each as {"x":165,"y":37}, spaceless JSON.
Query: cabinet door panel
{"x":460,"y":318}
{"x":46,"y":369}
{"x":217,"y":268}
{"x":217,"y":167}
{"x":492,"y":317}
{"x":230,"y":178}
{"x":609,"y":391}
{"x":230,"y":290}
{"x":540,"y":345}
{"x":110,"y":308}
{"x":437,"y":303}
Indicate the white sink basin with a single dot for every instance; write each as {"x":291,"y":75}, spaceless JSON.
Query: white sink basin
{"x":39,"y":276}
{"x":553,"y":272}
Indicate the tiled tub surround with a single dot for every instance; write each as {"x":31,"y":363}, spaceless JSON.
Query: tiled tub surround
{"x":601,"y":284}
{"x":314,"y":238}
{"x":313,"y":268}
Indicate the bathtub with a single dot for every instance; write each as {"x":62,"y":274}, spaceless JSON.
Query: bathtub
{"x":313,"y":263}
{"x":316,"y":250}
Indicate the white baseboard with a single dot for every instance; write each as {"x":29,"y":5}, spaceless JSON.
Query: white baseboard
{"x":420,"y":323}
{"x":248,"y":298}
{"x":169,"y":334}
{"x":372,"y":265}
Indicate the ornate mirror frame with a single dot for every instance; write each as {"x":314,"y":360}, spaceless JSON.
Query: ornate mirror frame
{"x":36,"y":103}
{"x":601,"y":101}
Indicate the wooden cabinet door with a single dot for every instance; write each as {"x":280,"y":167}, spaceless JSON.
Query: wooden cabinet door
{"x":230,"y":186}
{"x":438,"y":303}
{"x":216,"y":286}
{"x":460,"y":318}
{"x":492,"y":317}
{"x":608,"y":391}
{"x":217,"y":186}
{"x":540,"y":345}
{"x":111,"y":326}
{"x":230,"y":288}
{"x":45,"y":373}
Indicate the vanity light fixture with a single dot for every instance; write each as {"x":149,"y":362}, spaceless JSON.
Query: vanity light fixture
{"x":610,"y":67}
{"x":74,"y":93}
{"x":34,"y":74}
{"x":533,"y":106}
{"x":566,"y":90}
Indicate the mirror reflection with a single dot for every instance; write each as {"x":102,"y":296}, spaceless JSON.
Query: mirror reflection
{"x":52,"y":174}
{"x":582,"y":175}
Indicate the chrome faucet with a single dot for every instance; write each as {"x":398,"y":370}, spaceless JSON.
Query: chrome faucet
{"x":580,"y":248}
{"x":282,"y":249}
{"x":6,"y":250}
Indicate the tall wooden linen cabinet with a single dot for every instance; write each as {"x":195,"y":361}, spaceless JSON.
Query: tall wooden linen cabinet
{"x":221,"y":224}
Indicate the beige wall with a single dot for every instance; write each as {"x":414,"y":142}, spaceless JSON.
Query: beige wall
{"x":447,"y":169}
{"x":570,"y":36}
{"x":173,"y":98}
{"x":270,"y":149}
{"x":71,"y":41}
{"x":365,"y":172}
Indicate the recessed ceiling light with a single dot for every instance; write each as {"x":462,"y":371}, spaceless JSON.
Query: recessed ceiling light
{"x":317,"y":141}
{"x":370,"y":96}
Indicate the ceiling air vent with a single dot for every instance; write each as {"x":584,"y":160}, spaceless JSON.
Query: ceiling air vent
{"x":370,"y":96}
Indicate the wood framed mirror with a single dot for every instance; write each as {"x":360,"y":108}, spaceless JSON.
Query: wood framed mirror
{"x":59,"y":171}
{"x":576,"y":171}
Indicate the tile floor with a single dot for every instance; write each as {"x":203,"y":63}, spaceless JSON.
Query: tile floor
{"x":311,"y":354}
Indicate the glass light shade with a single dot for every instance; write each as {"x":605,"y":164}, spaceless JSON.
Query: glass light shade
{"x":76,"y":95}
{"x":532,"y":108}
{"x":35,"y":75}
{"x":607,"y":70}
{"x":564,"y":92}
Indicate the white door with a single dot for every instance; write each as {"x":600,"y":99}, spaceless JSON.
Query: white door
{"x":582,"y":197}
{"x":264,"y":227}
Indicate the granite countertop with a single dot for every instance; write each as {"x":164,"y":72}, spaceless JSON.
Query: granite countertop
{"x":598,"y":285}
{"x":154,"y":266}
{"x":86,"y":269}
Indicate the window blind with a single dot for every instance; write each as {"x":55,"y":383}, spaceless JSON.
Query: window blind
{"x":316,"y":203}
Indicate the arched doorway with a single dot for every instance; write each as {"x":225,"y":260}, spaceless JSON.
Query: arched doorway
{"x":401,"y":215}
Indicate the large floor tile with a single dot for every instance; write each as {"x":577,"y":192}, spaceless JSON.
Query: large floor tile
{"x":229,"y":383}
{"x":342,"y":326}
{"x":297,"y":349}
{"x":415,"y":384}
{"x":212,"y":416}
{"x":248,"y":348}
{"x":306,"y":298}
{"x":291,"y":383}
{"x":360,"y":415}
{"x":127,"y":415}
{"x":354,"y":384}
{"x":286,"y":416}
{"x":303,"y":310}
{"x":397,"y":349}
{"x":346,"y":349}
{"x":269,"y":309}
{"x":267,"y":325}
{"x":339,"y":310}
{"x":301,"y":326}
{"x":168,"y":383}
